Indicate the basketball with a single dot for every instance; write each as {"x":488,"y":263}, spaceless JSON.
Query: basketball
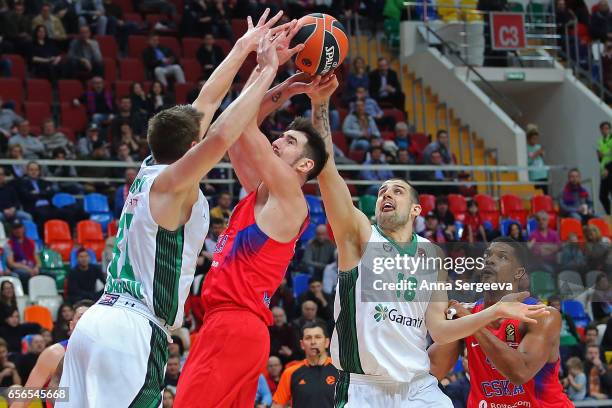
{"x":325,"y":44}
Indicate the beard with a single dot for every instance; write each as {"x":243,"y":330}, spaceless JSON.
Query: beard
{"x":392,"y":221}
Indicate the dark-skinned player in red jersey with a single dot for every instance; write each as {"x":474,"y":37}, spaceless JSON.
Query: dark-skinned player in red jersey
{"x":511,"y":364}
{"x":253,"y":253}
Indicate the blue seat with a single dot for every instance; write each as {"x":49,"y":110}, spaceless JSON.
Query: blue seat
{"x":504,"y":226}
{"x":95,"y":203}
{"x":314,"y":204}
{"x":309,"y":233}
{"x":532,"y":225}
{"x":31,"y":231}
{"x":73,"y":257}
{"x":60,"y":200}
{"x":575,"y":309}
{"x":103,"y":220}
{"x":300,"y":284}
{"x":458,"y":230}
{"x":318,"y":219}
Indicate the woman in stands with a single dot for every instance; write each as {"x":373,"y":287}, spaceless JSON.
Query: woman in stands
{"x":596,"y":248}
{"x":158,"y":99}
{"x":357,"y":78}
{"x":515,"y":232}
{"x":46,"y":58}
{"x":139,"y":100}
{"x":8,"y":300}
{"x":62,"y":324}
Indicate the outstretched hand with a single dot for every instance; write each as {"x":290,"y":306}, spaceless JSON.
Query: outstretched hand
{"x":266,"y":52}
{"x":254,"y":34}
{"x":511,"y":306}
{"x":324,"y":89}
{"x":285,"y":36}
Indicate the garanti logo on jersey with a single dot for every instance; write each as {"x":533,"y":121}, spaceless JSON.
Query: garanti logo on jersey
{"x":382,"y":313}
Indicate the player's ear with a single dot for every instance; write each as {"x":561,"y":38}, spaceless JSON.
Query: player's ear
{"x":416,"y":210}
{"x":305,"y":165}
{"x":520,"y":274}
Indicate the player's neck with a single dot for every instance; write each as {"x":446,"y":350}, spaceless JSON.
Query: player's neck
{"x":399,"y":235}
{"x":492,"y":297}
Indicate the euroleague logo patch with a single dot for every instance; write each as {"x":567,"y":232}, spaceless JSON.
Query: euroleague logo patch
{"x":330,"y":380}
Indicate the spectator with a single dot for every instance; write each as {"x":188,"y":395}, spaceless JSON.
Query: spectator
{"x":161,"y":62}
{"x":604,"y":155}
{"x":575,"y":201}
{"x":35,"y":346}
{"x":516,"y":232}
{"x":317,"y":370}
{"x":441,"y":145}
{"x":544,"y":243}
{"x":576,"y":380}
{"x":158,"y":6}
{"x":283,"y":341}
{"x":535,"y":158}
{"x":33,"y":148}
{"x":309,"y":315}
{"x":99,"y":102}
{"x":15,"y":170}
{"x":324,"y":301}
{"x":274,"y":370}
{"x":606,"y":65}
{"x":53,"y":139}
{"x":9,"y":202}
{"x":319,"y":252}
{"x":157,"y":99}
{"x":17,"y":26}
{"x":140,"y":103}
{"x":84,"y":54}
{"x":601,"y":21}
{"x":601,"y":302}
{"x":433,"y":231}
{"x":385,"y":86}
{"x":223,"y":209}
{"x":126,"y":115}
{"x":82,"y":278}
{"x":35,"y":194}
{"x":401,"y":136}
{"x":46,"y":335}
{"x":173,"y":371}
{"x":8,"y":374}
{"x":596,"y":248}
{"x":124,"y":154}
{"x":563,"y":17}
{"x":446,"y":219}
{"x":61,"y":327}
{"x":572,"y":256}
{"x":71,"y":187}
{"x":168,"y":398}
{"x":117,"y":25}
{"x":54,"y":26}
{"x":8,"y":300}
{"x":473,"y":227}
{"x":209,"y":55}
{"x":569,"y":341}
{"x":359,"y":127}
{"x":358,"y":77}
{"x":591,"y":335}
{"x":330,"y":276}
{"x":8,"y":119}
{"x":372,"y":108}
{"x":376,"y":158}
{"x":46,"y":58}
{"x":123,"y":190}
{"x":263,"y":397}
{"x":597,"y":373}
{"x":22,"y":255}
{"x":403,"y":157}
{"x":283,"y":297}
{"x":12,"y":330}
{"x":91,"y":12}
{"x":85,"y":144}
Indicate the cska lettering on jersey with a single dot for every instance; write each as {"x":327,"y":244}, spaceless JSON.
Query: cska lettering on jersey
{"x":501,"y":388}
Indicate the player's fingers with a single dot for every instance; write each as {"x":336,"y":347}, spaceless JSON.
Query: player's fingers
{"x":263,"y":17}
{"x":249,"y":22}
{"x":529,"y":320}
{"x":522,"y":296}
{"x":298,"y":24}
{"x":274,"y":19}
{"x":536,"y":307}
{"x":296,"y":49}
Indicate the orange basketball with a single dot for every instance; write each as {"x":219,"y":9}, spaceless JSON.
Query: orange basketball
{"x":325,"y":44}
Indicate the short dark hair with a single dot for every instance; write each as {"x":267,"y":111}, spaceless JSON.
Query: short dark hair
{"x":592,"y":326}
{"x":315,"y":145}
{"x":174,"y":356}
{"x":602,"y":124}
{"x":313,"y":280}
{"x":216,"y":221}
{"x":83,"y":303}
{"x":179,"y":342}
{"x":414,"y":194}
{"x":81,"y":250}
{"x":471,"y":203}
{"x":439,"y":132}
{"x":313,"y":325}
{"x":519,"y":250}
{"x":172,"y":131}
{"x":573,"y":169}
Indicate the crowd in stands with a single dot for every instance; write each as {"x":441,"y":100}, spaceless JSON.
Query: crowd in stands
{"x":102,"y":68}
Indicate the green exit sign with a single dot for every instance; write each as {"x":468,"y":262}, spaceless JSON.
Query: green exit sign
{"x":515,"y":76}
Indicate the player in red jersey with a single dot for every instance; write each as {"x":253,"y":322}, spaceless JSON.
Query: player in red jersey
{"x":252,"y":255}
{"x":511,"y":364}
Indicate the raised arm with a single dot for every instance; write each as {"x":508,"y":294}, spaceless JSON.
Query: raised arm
{"x":216,"y":87}
{"x":350,"y":226}
{"x":442,"y":358}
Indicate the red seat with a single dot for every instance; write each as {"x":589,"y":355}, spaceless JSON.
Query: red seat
{"x":39,"y":90}
{"x":342,"y":112}
{"x":190,"y":46}
{"x":357,"y":155}
{"x":122,"y":88}
{"x":568,"y":226}
{"x":136,"y":45}
{"x":310,"y":189}
{"x":69,"y":89}
{"x":89,"y":235}
{"x":12,"y":90}
{"x":68,"y":132}
{"x":545,"y":203}
{"x":340,"y":141}
{"x":58,"y":238}
{"x":18,"y":66}
{"x":487,"y":209}
{"x":153,"y":19}
{"x":192,"y":69}
{"x":396,"y":114}
{"x":133,"y":17}
{"x":512,"y":207}
{"x":602,"y":225}
{"x":131,"y":69}
{"x":428,"y":203}
{"x":239,"y":27}
{"x":111,"y":228}
{"x":181,"y":91}
{"x":420,"y":140}
{"x":171,"y":43}
{"x":74,"y":117}
{"x":247,"y":67}
{"x":387,"y":135}
{"x":126,"y":5}
{"x":37,"y":112}
{"x":108,"y":46}
{"x":458,"y":206}
{"x":110,"y":70}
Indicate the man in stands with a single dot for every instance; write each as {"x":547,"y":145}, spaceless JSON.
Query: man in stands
{"x":173,"y":371}
{"x":604,"y":155}
{"x":126,"y":115}
{"x":372,"y":108}
{"x":8,"y":119}
{"x":52,"y":139}
{"x":53,"y":24}
{"x":575,"y":201}
{"x":223,"y":210}
{"x":441,"y":145}
{"x":84,"y":53}
{"x":376,"y":158}
{"x":161,"y":62}
{"x":32,"y":146}
{"x":26,"y":362}
{"x":309,"y":315}
{"x":283,"y":339}
{"x":598,"y":375}
{"x":273,"y":373}
{"x":100,"y":102}
{"x":82,"y":278}
{"x":319,"y":252}
{"x":385,"y":86}
{"x":22,"y":257}
{"x":9,"y":202}
{"x":323,"y":300}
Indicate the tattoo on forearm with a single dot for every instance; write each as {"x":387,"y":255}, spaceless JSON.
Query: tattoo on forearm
{"x":276,"y":96}
{"x":322,"y":118}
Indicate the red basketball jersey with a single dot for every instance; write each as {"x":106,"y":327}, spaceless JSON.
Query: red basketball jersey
{"x":489,"y":388}
{"x":248,"y":266}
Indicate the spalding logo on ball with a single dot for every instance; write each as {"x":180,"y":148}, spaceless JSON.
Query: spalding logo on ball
{"x":325,"y":44}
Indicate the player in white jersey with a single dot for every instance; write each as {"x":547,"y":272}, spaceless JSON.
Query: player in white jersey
{"x":379,"y":342}
{"x":118,"y":352}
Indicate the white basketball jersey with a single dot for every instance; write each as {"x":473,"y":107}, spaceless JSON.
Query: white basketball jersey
{"x":151,"y":264}
{"x":382,"y":333}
